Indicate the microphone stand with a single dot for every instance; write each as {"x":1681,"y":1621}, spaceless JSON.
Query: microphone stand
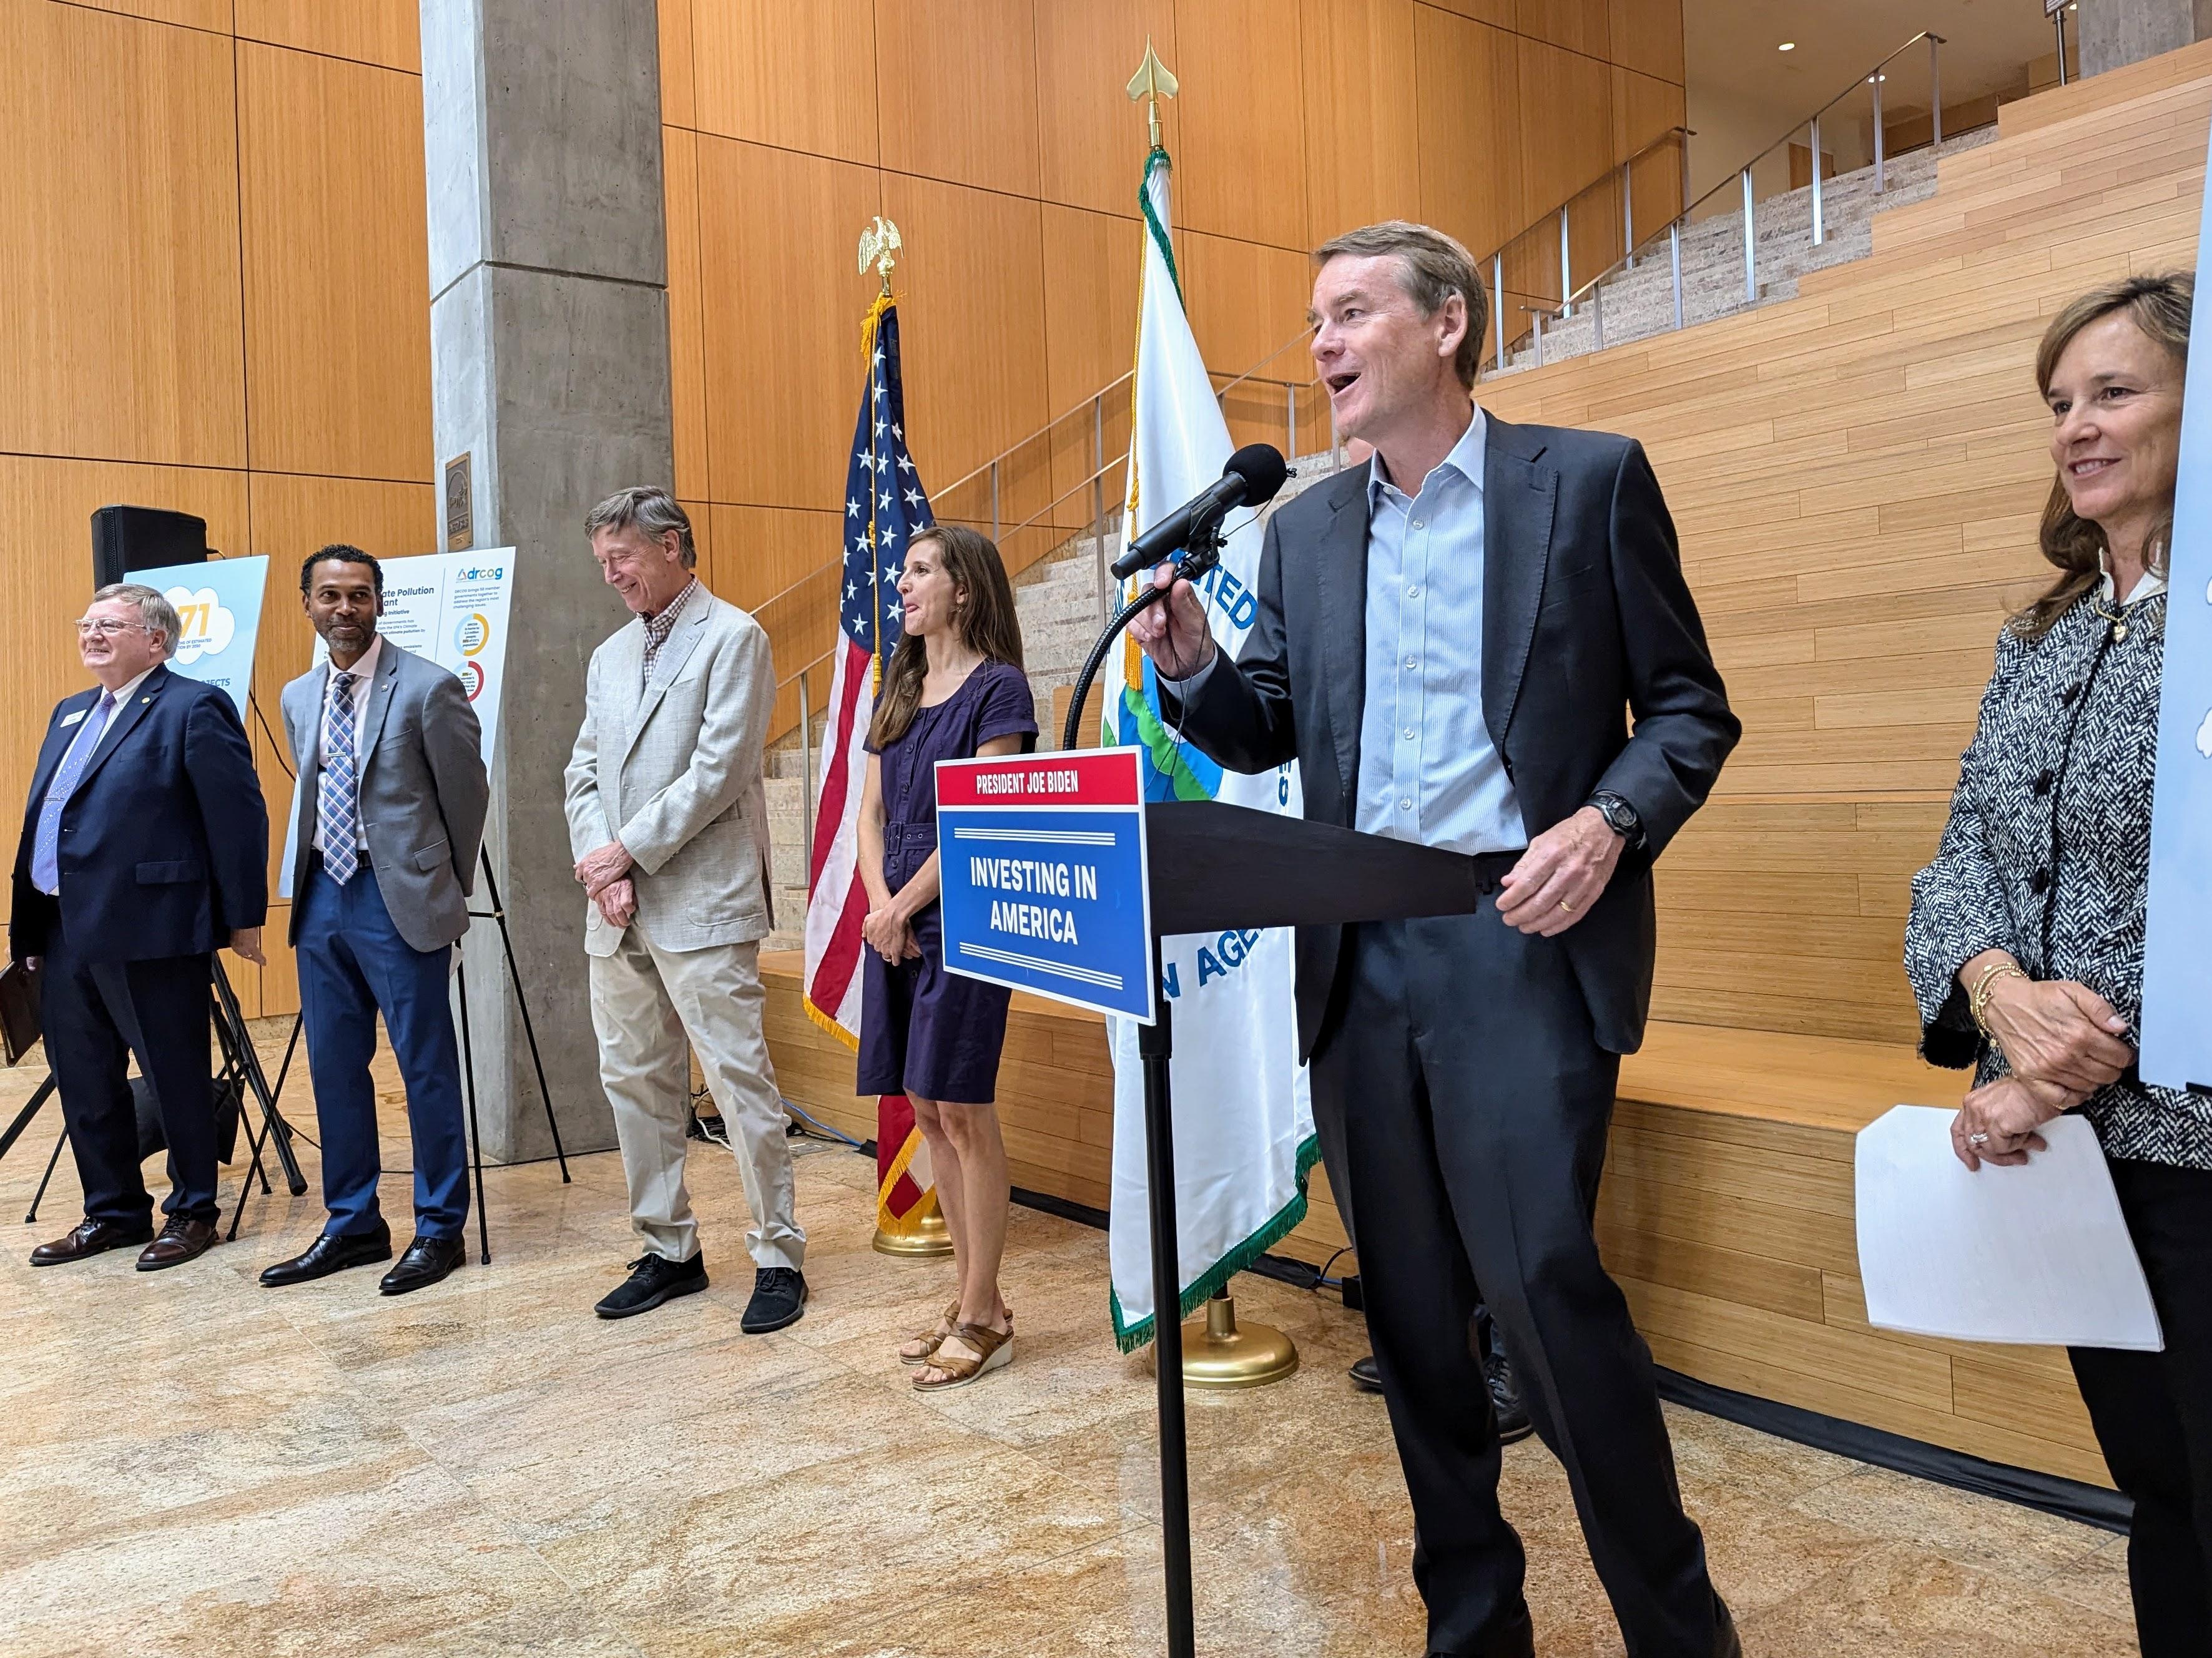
{"x":1155,"y":1049}
{"x":1201,"y":554}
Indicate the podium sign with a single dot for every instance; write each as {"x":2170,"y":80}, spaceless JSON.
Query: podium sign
{"x":1044,"y":881}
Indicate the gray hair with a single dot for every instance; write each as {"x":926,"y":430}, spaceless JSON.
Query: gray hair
{"x":155,"y":613}
{"x":652,"y":511}
{"x":1431,"y":268}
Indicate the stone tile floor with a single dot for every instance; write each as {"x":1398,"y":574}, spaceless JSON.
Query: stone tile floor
{"x":194,"y":1464}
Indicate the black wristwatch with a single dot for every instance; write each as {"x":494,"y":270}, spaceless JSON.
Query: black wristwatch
{"x":1619,"y":817}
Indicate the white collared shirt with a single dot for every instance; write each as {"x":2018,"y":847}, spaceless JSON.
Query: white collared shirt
{"x":2152,"y":585}
{"x":364,"y":672}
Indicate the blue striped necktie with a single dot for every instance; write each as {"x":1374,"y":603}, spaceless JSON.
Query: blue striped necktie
{"x":339,"y":785}
{"x":47,"y":847}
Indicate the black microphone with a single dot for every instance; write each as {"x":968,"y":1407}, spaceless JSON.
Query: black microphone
{"x":1254,"y":476}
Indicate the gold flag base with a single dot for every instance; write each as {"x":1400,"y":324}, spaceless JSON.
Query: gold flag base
{"x":928,"y":1239}
{"x":1219,"y":1352}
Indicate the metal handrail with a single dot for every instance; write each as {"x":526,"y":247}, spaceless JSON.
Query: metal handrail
{"x":1672,"y":228}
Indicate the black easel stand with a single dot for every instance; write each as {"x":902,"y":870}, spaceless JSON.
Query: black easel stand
{"x":498,"y":913}
{"x":1213,"y":867}
{"x":241,"y":1072}
{"x":241,"y":1069}
{"x":31,"y":1109}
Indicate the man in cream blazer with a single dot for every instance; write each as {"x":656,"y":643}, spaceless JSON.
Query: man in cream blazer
{"x":668,"y":821}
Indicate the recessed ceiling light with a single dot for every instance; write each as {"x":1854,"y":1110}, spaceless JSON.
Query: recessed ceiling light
{"x":1787,"y":45}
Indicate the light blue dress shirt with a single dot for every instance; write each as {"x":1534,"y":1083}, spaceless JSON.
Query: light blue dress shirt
{"x":1428,"y":770}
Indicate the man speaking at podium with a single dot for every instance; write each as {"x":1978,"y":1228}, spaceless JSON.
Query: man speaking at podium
{"x":1447,"y":640}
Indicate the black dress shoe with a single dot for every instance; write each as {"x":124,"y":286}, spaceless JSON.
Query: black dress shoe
{"x":90,"y":1238}
{"x":1513,"y":1424}
{"x":427,"y":1261}
{"x":333,"y":1252}
{"x":182,"y":1240}
{"x":1366,"y":1375}
{"x":653,"y":1279}
{"x":779,"y":1297}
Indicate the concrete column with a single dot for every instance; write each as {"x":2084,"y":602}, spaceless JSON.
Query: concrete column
{"x":548,"y":334}
{"x":2116,"y":33}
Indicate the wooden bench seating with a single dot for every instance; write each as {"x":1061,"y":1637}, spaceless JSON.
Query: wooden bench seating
{"x":1726,"y":1213}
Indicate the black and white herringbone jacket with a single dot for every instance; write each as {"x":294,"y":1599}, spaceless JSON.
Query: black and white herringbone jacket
{"x":2047,"y":855}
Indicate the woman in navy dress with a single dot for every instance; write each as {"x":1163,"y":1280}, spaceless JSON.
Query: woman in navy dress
{"x":954,"y":689}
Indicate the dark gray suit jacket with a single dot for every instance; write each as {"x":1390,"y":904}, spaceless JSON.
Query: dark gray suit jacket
{"x":423,"y":791}
{"x":1586,"y":619}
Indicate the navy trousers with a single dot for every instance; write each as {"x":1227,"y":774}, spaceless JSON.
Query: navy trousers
{"x":96,"y":1015}
{"x":353,"y":963}
{"x":1475,"y":1101}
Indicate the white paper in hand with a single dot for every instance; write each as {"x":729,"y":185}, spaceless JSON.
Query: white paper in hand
{"x":2038,"y":1254}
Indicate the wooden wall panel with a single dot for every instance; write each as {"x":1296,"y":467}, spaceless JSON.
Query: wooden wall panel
{"x":45,"y":578}
{"x":972,"y":320}
{"x":1646,"y":36}
{"x":212,"y":15}
{"x":687,"y":321}
{"x":1363,"y":132}
{"x":1294,"y":122}
{"x":759,"y":551}
{"x":1091,"y":138}
{"x":1246,"y":301}
{"x":1242,"y":110}
{"x":1580,"y":25}
{"x":1468,"y":89}
{"x":1577,"y":92}
{"x":1643,"y":109}
{"x":679,"y":78}
{"x":1091,"y":278}
{"x":1498,"y":14}
{"x":388,"y":32}
{"x":118,"y":239}
{"x":336,"y":266}
{"x":799,"y":77}
{"x":782,"y":310}
{"x":957,"y":89}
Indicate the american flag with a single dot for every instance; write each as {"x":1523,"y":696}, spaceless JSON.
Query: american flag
{"x":884,"y":505}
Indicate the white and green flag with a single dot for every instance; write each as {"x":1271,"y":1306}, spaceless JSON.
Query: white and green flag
{"x":1243,"y":1121}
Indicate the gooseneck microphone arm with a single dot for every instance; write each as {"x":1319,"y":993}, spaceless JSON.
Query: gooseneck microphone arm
{"x":1203,"y":552}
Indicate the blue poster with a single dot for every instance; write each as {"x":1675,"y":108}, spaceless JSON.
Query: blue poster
{"x":219,"y":613}
{"x":2177,"y":1015}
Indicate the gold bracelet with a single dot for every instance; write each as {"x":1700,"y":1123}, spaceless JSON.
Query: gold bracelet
{"x":1978,"y":999}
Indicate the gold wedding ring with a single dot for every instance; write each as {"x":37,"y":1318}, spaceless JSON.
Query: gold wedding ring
{"x":1567,"y":907}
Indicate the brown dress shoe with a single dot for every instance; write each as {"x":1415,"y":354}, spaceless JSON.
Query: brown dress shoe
{"x":91,"y":1237}
{"x":182,"y":1240}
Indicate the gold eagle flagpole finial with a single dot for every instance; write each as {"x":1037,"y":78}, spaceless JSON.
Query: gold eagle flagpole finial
{"x":878,"y":243}
{"x":1150,"y":83}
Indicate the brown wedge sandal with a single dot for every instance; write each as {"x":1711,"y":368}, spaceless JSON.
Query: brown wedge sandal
{"x":995,"y":1350}
{"x":936,"y":1338}
{"x":930,"y":1340}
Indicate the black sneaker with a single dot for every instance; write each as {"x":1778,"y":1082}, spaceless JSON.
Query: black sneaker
{"x":653,"y":1279}
{"x":779,"y":1297}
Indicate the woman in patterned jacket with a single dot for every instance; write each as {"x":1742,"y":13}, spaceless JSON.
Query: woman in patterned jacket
{"x":2026,"y":942}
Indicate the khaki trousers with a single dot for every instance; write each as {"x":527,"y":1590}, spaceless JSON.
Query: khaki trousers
{"x":651,"y":1007}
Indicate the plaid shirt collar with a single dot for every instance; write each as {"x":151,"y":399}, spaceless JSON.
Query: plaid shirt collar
{"x":657,"y":627}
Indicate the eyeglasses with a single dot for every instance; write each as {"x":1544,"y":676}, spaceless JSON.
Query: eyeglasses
{"x":106,"y":624}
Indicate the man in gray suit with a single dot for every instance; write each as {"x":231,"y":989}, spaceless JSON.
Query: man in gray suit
{"x":668,"y":820}
{"x":388,"y":815}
